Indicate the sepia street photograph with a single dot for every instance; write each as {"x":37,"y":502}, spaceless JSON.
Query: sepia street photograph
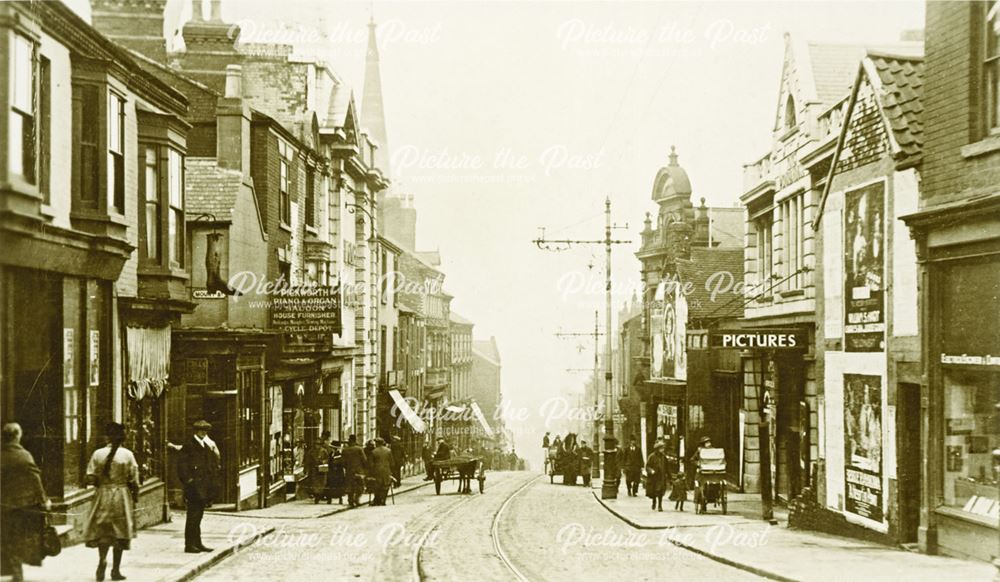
{"x":499,"y":290}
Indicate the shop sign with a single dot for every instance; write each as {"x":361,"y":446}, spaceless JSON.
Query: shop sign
{"x":967,"y":360}
{"x":307,"y":310}
{"x":863,"y":446}
{"x":864,"y":269}
{"x":765,"y":339}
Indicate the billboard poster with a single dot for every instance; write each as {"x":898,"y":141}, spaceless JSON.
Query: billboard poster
{"x":863,"y":446}
{"x":864,"y":269}
{"x":668,"y":331}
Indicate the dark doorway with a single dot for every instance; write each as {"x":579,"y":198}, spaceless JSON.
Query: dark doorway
{"x":791,"y":387}
{"x":908,"y":460}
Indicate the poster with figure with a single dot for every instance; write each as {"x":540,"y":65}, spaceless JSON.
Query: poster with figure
{"x":864,"y":269}
{"x":668,"y":332}
{"x":863,"y":446}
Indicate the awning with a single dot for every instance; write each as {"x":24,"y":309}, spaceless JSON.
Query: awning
{"x":404,"y":408}
{"x":148,"y":361}
{"x":482,"y":419}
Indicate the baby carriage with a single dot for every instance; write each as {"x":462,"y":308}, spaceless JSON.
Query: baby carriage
{"x":710,"y":480}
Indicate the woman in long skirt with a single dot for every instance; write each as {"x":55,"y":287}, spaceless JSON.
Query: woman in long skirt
{"x":114,"y":471}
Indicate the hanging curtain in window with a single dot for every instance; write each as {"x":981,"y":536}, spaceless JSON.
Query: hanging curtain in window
{"x":148,"y":361}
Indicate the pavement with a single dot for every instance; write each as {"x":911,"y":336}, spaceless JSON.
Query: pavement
{"x":157,"y":553}
{"x":743,"y":540}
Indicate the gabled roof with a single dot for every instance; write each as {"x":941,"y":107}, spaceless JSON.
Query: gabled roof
{"x":210,"y":189}
{"x":833,"y":66}
{"x":703,"y":264}
{"x":896,"y":79}
{"x":901,"y":79}
{"x":456,"y":318}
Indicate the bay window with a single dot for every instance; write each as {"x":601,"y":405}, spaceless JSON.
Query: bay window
{"x":116,"y":152}
{"x":151,"y":180}
{"x":22,"y":148}
{"x":175,"y":185}
{"x":90,"y":136}
{"x":284,"y":183}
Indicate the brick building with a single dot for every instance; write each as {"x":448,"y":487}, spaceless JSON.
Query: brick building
{"x":92,"y":213}
{"x":957,"y":233}
{"x":867,"y":333}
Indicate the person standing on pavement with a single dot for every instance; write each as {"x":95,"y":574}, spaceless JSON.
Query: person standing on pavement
{"x":336,"y":481}
{"x":198,"y":469}
{"x":381,"y":471}
{"x":355,"y":468}
{"x":656,"y":476}
{"x":111,"y":524}
{"x":22,"y":518}
{"x":632,"y":463}
{"x":398,"y":459}
{"x":428,"y":457}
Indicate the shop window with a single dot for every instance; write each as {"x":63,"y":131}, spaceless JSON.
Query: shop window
{"x":972,"y":431}
{"x":250,"y":399}
{"x":116,"y":152}
{"x":143,"y":422}
{"x":22,"y":152}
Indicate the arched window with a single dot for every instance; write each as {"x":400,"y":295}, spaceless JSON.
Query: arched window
{"x":790,"y":113}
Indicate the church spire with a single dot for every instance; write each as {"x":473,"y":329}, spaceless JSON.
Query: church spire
{"x":372,"y":113}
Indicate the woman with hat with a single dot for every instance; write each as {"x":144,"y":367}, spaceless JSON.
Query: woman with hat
{"x":111,"y":524}
{"x":656,"y":476}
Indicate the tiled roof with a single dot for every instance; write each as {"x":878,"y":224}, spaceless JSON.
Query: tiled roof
{"x":340,"y":101}
{"x":901,"y":97}
{"x":456,"y":318}
{"x":698,"y":271}
{"x":211,"y":189}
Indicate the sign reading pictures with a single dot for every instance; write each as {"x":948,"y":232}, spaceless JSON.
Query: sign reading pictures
{"x":307,"y":310}
{"x":864,"y":269}
{"x":863,"y":446}
{"x":765,"y":339}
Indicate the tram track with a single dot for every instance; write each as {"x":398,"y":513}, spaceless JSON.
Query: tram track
{"x":420,"y":572}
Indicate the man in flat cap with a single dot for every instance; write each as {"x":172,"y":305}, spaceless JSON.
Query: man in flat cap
{"x":198,"y":469}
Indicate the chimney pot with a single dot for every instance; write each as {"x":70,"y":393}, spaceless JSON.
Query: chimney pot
{"x":234,"y":81}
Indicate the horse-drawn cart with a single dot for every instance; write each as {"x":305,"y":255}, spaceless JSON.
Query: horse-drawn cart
{"x":461,"y":469}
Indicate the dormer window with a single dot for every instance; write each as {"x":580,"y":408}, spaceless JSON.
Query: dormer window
{"x":790,"y":122}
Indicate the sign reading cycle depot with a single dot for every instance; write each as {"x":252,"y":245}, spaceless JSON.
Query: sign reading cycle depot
{"x":763,"y":339}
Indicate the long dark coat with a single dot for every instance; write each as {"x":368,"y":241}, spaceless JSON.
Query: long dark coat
{"x":22,"y":518}
{"x":381,"y":468}
{"x":198,"y":469}
{"x":633,"y":460}
{"x":656,"y":474}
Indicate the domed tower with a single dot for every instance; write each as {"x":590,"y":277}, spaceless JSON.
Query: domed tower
{"x":675,"y":218}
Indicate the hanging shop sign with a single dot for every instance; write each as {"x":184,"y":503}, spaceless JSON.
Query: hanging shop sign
{"x":967,"y":360}
{"x":863,"y":446}
{"x":765,"y":339}
{"x":864,"y":269}
{"x":307,"y":310}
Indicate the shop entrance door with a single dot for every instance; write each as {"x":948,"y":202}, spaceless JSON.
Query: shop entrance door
{"x":908,"y":460}
{"x":220,"y":412}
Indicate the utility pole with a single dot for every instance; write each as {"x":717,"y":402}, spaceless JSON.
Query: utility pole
{"x":595,"y":467}
{"x":609,"y":489}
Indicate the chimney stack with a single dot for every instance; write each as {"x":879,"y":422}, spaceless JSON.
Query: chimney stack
{"x":233,"y":125}
{"x":136,"y":25}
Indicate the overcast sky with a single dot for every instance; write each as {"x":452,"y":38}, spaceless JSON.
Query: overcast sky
{"x":507,"y":116}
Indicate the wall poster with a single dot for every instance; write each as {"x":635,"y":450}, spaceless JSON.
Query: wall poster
{"x":863,"y":446}
{"x":864,"y":269}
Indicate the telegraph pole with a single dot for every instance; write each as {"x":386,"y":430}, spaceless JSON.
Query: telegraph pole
{"x":595,"y":468}
{"x":609,"y":488}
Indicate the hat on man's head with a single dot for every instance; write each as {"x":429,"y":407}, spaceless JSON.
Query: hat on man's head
{"x":114,"y":429}
{"x":396,"y":439}
{"x":705,"y":439}
{"x":379,"y":441}
{"x":202,"y":425}
{"x":658,"y":445}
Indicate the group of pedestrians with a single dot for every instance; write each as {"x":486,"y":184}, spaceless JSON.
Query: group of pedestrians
{"x":662,"y":473}
{"x":111,"y":525}
{"x":352,"y":469}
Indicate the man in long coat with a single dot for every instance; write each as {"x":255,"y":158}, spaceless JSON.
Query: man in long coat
{"x":381,"y":471}
{"x":656,"y":476}
{"x":398,"y":459}
{"x":24,"y":502}
{"x":198,"y":469}
{"x":632,"y":464}
{"x":355,"y":468}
